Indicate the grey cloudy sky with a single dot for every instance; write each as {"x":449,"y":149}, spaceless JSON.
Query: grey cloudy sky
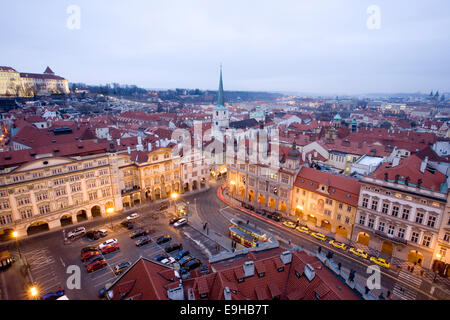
{"x":318,"y":46}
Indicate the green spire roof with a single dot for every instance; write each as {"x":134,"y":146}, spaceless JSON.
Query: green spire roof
{"x":220,"y":99}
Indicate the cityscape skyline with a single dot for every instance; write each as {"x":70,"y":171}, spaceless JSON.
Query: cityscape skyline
{"x":291,"y":47}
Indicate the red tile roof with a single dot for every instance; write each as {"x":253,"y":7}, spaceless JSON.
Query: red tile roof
{"x":410,"y":168}
{"x":149,"y":280}
{"x":339,"y":188}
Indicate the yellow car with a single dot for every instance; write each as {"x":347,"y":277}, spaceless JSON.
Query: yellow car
{"x":303,"y":229}
{"x":338,"y":244}
{"x":358,"y":252}
{"x":319,"y":236}
{"x":289,"y":224}
{"x":380,"y":262}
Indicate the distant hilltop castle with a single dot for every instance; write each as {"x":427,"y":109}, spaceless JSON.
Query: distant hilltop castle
{"x":13,"y":83}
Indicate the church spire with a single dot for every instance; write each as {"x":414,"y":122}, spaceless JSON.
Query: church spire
{"x":220,"y":99}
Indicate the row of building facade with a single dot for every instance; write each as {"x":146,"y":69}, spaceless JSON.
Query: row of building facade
{"x":47,"y":191}
{"x":401,"y":210}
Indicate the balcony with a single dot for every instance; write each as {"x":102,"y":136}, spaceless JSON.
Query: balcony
{"x":125,"y":191}
{"x":391,"y":238}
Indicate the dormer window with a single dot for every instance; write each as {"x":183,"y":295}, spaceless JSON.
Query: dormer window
{"x":280,"y":269}
{"x":261,"y":274}
{"x":240,"y":280}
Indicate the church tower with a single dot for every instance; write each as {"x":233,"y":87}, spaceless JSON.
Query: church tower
{"x":221,"y":115}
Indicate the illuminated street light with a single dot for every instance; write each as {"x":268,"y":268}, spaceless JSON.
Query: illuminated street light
{"x":15,"y":235}
{"x":33,"y":292}
{"x":110,"y":212}
{"x":174,"y":197}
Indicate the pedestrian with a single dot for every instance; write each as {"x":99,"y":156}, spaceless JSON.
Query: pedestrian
{"x":248,"y":221}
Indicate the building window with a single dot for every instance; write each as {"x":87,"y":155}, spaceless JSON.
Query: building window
{"x":391,"y":230}
{"x":426,"y":240}
{"x":58,"y":182}
{"x":349,"y":209}
{"x":374,"y":205}
{"x":347,"y":220}
{"x":57,"y":171}
{"x":365,"y":202}
{"x":405,"y":214}
{"x":26,"y":213}
{"x":385,"y":208}
{"x":60,"y":192}
{"x":414,"y":237}
{"x":44,"y":209}
{"x":362,"y":220}
{"x":329,"y":202}
{"x":395,"y":210}
{"x":6,"y":219}
{"x":93,"y":195}
{"x":339,"y":217}
{"x":328,"y":213}
{"x":431,"y":221}
{"x":401,"y":233}
{"x":381,"y":226}
{"x":447,"y":237}
{"x":419,"y":217}
{"x":341,"y":206}
{"x":371,"y":223}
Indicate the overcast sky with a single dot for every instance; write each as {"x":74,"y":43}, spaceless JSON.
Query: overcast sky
{"x":314,"y":46}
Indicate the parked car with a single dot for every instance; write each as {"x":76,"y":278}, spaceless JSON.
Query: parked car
{"x":261,"y":212}
{"x":380,"y":262}
{"x":139,"y":233}
{"x":172,"y":247}
{"x":303,"y":229}
{"x":185,"y":260}
{"x":173,"y":220}
{"x":248,"y":206}
{"x":103,"y":233}
{"x":163,"y":207}
{"x":96,"y":265}
{"x":94,"y":258}
{"x":319,"y":236}
{"x":180,"y":223}
{"x":161,"y":257}
{"x":289,"y":224}
{"x":358,"y":252}
{"x":192,"y":264}
{"x":163,"y":239}
{"x":121,"y":267}
{"x":53,"y":295}
{"x":168,"y":260}
{"x":338,"y":244}
{"x":110,"y":248}
{"x":274,"y":216}
{"x":143,"y":241}
{"x":92,"y":235}
{"x":89,"y":255}
{"x":132,"y":216}
{"x":182,"y":254}
{"x":127,"y":224}
{"x":86,"y":249}
{"x":76,"y":232}
{"x":107,"y":242}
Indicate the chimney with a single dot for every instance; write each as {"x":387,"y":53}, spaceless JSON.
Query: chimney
{"x":129,"y":150}
{"x":423,"y":165}
{"x":118,"y":142}
{"x":226,"y":293}
{"x":386,"y":176}
{"x":309,"y":272}
{"x":407,"y":181}
{"x":249,"y":269}
{"x":419,"y":183}
{"x":286,"y":257}
{"x":149,"y":147}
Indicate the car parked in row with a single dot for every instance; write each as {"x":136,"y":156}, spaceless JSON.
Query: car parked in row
{"x":358,"y":252}
{"x":107,"y":243}
{"x":93,"y":235}
{"x":173,"y":247}
{"x":290,"y":224}
{"x":168,"y":261}
{"x":180,"y":223}
{"x":139,"y":233}
{"x":86,"y":256}
{"x":143,"y":241}
{"x":192,"y":264}
{"x":338,"y":244}
{"x":132,"y":216}
{"x":163,"y":239}
{"x":110,"y":248}
{"x":275,"y":217}
{"x":380,"y":262}
{"x":127,"y":224}
{"x":87,"y":249}
{"x":303,"y":229}
{"x":121,"y":267}
{"x":96,"y":265}
{"x":181,"y":254}
{"x":80,"y":231}
{"x":319,"y":236}
{"x":173,"y":220}
{"x":161,"y":257}
{"x":185,"y":260}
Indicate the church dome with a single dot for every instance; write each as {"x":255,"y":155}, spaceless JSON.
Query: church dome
{"x":293,"y":154}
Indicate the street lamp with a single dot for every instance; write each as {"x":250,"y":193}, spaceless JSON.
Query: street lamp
{"x":110,"y":212}
{"x":33,"y":291}
{"x":15,"y":234}
{"x":174,"y":197}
